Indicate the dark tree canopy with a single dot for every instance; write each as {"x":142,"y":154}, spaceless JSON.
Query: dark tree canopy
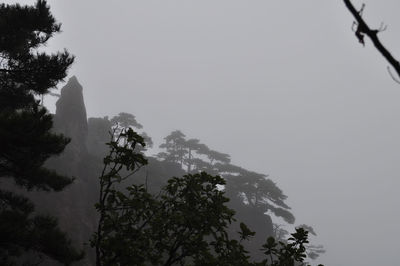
{"x":26,"y":140}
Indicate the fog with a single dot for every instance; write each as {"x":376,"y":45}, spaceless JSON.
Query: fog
{"x":284,"y":87}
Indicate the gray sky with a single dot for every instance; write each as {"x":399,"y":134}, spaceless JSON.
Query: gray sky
{"x":284,"y":87}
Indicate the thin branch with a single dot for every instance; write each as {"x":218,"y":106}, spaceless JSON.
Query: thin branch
{"x":138,"y":167}
{"x":373,"y":35}
{"x":392,"y":76}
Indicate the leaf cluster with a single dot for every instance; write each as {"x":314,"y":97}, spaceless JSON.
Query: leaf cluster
{"x":288,"y":253}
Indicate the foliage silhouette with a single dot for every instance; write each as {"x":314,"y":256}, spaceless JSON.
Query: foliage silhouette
{"x":122,"y":155}
{"x":186,"y":223}
{"x":26,"y":140}
{"x":255,"y":189}
{"x":289,"y":253}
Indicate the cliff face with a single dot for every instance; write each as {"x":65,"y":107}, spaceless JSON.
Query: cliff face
{"x":71,"y":120}
{"x":70,"y":117}
{"x":98,"y":134}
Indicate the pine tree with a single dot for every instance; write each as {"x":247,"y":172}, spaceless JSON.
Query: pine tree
{"x":26,"y":140}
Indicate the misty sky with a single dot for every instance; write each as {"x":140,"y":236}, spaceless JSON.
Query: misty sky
{"x":284,"y":87}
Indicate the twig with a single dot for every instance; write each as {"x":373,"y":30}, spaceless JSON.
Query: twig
{"x":392,"y":76}
{"x":364,"y":29}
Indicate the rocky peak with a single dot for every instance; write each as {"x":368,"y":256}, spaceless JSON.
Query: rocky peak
{"x":70,"y":118}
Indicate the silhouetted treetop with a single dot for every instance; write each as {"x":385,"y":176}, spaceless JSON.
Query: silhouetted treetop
{"x":26,"y":137}
{"x":25,"y":71}
{"x":248,"y":187}
{"x":125,"y":120}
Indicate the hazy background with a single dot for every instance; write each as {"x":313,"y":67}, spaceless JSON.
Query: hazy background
{"x":284,"y":87}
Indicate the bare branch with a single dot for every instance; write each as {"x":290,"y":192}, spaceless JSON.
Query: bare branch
{"x":364,"y":29}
